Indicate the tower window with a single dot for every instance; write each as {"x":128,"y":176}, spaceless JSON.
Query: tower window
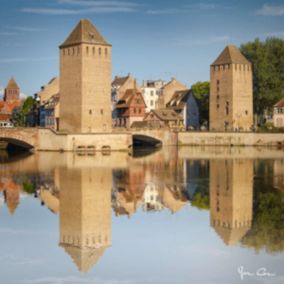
{"x":227,"y":108}
{"x":105,"y":51}
{"x":87,"y":50}
{"x":63,"y":52}
{"x":68,"y":51}
{"x":78,"y":50}
{"x":218,"y":106}
{"x":73,"y":51}
{"x":93,"y":50}
{"x":246,"y":112}
{"x":100,"y":51}
{"x":90,"y":111}
{"x":102,"y":111}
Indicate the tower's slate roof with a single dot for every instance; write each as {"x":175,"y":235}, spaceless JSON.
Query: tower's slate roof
{"x":231,"y":54}
{"x":84,"y":32}
{"x":12,"y":84}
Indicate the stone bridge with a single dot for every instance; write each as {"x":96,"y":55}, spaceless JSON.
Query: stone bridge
{"x":46,"y":139}
{"x":26,"y":138}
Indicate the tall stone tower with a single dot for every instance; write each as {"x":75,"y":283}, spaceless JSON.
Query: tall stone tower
{"x":231,"y":97}
{"x":12,"y":91}
{"x":85,"y":213}
{"x":231,"y":198}
{"x":85,"y":81}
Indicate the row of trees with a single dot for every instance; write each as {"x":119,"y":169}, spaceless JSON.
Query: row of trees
{"x":267,"y":58}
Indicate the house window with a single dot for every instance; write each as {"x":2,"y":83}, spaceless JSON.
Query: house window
{"x":151,"y":103}
{"x":140,"y":110}
{"x":152,"y":93}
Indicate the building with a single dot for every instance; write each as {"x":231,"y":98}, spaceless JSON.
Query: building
{"x":85,"y":81}
{"x":231,"y":198}
{"x":278,"y":114}
{"x":184,"y":104}
{"x":168,"y":90}
{"x":119,"y":86}
{"x":130,"y":108}
{"x":151,"y":91}
{"x":85,"y":213}
{"x":11,"y":101}
{"x":164,"y":118}
{"x":231,"y":96}
{"x":12,"y":91}
{"x":51,"y":110}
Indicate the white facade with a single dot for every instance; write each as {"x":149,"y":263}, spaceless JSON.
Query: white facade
{"x":151,"y":91}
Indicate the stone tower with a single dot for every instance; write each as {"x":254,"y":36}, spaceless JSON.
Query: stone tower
{"x":231,"y":97}
{"x":85,"y":81}
{"x":85,"y":213}
{"x":231,"y":198}
{"x":12,"y":91}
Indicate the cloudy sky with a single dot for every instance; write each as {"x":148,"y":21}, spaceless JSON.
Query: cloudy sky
{"x":151,"y":39}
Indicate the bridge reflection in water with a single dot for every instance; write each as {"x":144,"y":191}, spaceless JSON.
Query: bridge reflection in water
{"x":84,"y":190}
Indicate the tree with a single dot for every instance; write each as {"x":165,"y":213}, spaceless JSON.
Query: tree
{"x":267,"y":59}
{"x":201,"y":91}
{"x":19,"y":114}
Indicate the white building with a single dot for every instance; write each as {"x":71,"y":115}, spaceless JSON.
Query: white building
{"x":151,"y":90}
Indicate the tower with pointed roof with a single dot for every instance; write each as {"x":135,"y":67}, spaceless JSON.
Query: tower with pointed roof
{"x":12,"y":91}
{"x":231,"y":96}
{"x":85,"y":81}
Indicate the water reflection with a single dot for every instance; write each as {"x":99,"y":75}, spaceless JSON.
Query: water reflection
{"x":84,"y":190}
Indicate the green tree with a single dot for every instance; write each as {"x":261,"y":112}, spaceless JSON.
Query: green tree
{"x":201,"y":91}
{"x":19,"y":114}
{"x":268,"y":72}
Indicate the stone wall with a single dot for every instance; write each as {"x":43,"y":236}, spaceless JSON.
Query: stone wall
{"x":50,"y":141}
{"x":230,"y":139}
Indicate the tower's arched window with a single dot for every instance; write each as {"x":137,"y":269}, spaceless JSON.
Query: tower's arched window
{"x":73,"y":51}
{"x":105,"y":51}
{"x":94,"y":50}
{"x":87,"y":50}
{"x":68,"y":51}
{"x":100,"y":51}
{"x":63,"y":52}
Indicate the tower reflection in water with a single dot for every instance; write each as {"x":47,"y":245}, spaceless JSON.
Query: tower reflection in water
{"x":231,"y":198}
{"x":85,"y":213}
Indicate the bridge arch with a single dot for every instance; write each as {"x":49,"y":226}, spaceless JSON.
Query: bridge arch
{"x":17,"y":138}
{"x":145,"y":141}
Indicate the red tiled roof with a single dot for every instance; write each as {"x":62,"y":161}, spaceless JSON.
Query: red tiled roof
{"x":7,"y":107}
{"x":127,"y":98}
{"x":280,"y":103}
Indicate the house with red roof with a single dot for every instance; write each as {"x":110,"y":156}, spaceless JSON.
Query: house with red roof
{"x":278,"y":114}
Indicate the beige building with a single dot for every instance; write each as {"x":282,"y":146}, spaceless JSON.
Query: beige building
{"x":119,"y":86}
{"x":168,"y":90}
{"x":231,"y":96}
{"x":231,"y":198}
{"x":49,"y":90}
{"x":278,"y":114}
{"x":85,"y":81}
{"x":85,"y":213}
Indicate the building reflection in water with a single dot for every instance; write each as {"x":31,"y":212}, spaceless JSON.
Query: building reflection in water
{"x":231,"y":198}
{"x":84,"y":190}
{"x":85,"y":214}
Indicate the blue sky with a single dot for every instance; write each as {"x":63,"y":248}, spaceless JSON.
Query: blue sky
{"x":151,"y":39}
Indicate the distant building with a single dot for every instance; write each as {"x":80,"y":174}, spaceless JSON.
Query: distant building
{"x":278,"y":114}
{"x":11,"y":101}
{"x":184,"y":104}
{"x":51,"y":108}
{"x":168,"y":90}
{"x":231,"y":97}
{"x":119,"y":86}
{"x":130,"y":108}
{"x":85,"y":81}
{"x":164,"y":118}
{"x":50,"y":89}
{"x":151,"y":91}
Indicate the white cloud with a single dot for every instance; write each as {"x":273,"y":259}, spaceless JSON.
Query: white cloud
{"x":25,"y":59}
{"x":15,"y":260}
{"x":204,"y":41}
{"x":274,"y":34}
{"x":8,"y":33}
{"x":26,"y":29}
{"x":166,"y":11}
{"x":73,"y":279}
{"x":85,"y":7}
{"x":271,"y":10}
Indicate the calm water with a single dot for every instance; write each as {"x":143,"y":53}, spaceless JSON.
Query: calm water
{"x":193,"y":215}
